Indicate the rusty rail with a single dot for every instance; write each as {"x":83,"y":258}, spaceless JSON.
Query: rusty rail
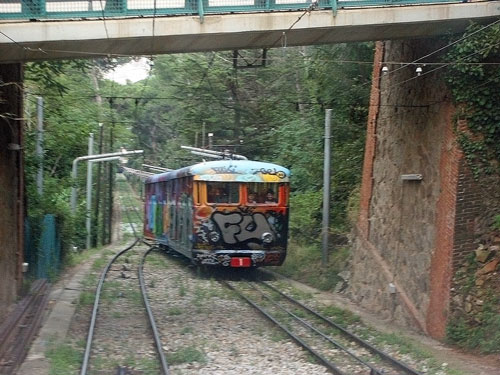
{"x":20,"y":327}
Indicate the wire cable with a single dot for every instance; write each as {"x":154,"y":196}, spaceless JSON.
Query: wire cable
{"x":444,"y":47}
{"x":438,"y":68}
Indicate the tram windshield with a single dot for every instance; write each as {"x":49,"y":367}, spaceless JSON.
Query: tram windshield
{"x":262,"y":193}
{"x":223,"y":192}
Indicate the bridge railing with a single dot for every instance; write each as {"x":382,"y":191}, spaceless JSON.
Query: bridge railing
{"x":57,"y":9}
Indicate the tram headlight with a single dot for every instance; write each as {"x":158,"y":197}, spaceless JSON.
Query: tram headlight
{"x":267,"y":237}
{"x":214,"y":236}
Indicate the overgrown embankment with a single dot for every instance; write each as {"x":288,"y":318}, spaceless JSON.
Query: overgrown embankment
{"x":474,"y":79}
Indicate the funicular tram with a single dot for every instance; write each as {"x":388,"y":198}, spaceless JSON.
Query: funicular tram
{"x":231,"y":213}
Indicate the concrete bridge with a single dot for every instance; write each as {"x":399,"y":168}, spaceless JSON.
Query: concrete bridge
{"x":50,"y":37}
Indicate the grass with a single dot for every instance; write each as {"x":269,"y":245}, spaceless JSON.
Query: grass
{"x":74,"y":258}
{"x":186,"y":354}
{"x":174,"y":311}
{"x":99,"y":263}
{"x":303,"y":263}
{"x":404,"y":345}
{"x":86,"y":298}
{"x":342,"y":317}
{"x":157,"y":260}
{"x":63,"y":358}
{"x":187,"y":330}
{"x":278,"y":335}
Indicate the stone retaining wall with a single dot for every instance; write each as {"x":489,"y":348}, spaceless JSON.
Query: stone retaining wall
{"x":405,"y":224}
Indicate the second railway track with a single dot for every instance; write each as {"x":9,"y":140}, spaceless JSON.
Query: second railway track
{"x":338,"y":349}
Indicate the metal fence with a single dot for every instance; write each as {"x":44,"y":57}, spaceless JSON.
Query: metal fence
{"x":42,"y":248}
{"x":47,"y":9}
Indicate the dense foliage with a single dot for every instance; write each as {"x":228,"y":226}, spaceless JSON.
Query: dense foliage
{"x":273,"y":113}
{"x":474,"y":78}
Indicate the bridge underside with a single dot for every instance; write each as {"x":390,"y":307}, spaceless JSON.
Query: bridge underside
{"x":42,"y":40}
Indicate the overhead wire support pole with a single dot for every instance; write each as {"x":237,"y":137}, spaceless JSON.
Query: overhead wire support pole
{"x":74,"y":171}
{"x":88,"y":221}
{"x":98,"y":189}
{"x":110,"y":177}
{"x":326,"y":190}
{"x":39,"y":145}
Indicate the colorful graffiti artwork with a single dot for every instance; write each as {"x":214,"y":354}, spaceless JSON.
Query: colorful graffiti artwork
{"x":237,"y":227}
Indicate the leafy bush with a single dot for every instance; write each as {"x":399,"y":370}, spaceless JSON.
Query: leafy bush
{"x":482,"y":334}
{"x":496,"y":222}
{"x":305,"y":216}
{"x":303,"y":263}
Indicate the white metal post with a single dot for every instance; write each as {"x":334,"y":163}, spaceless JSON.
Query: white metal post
{"x":326,"y":190}
{"x":89,"y":192}
{"x":74,"y":170}
{"x":39,"y":145}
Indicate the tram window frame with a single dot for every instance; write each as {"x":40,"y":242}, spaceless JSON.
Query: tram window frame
{"x":196,"y":193}
{"x":232,"y":187}
{"x":260,"y":190}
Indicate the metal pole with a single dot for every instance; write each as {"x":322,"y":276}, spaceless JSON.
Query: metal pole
{"x":111,"y":178}
{"x":74,"y":172}
{"x":39,"y":145}
{"x":326,"y":190}
{"x":98,"y":157}
{"x":89,"y":193}
{"x":98,"y":189}
{"x":203,"y":135}
{"x":210,"y":137}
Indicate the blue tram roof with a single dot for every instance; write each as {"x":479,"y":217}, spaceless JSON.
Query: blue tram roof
{"x":228,"y":170}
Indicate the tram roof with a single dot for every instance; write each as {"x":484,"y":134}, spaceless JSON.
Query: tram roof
{"x":229,"y":171}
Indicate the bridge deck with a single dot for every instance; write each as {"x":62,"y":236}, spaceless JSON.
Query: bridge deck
{"x":23,"y":41}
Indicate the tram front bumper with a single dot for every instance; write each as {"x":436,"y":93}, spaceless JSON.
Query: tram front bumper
{"x":238,"y":258}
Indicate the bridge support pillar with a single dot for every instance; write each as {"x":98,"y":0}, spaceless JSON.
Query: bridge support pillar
{"x":403,"y":256}
{"x":11,"y":184}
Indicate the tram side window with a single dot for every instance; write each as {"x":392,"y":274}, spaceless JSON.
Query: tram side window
{"x":262,"y":193}
{"x":223,"y":192}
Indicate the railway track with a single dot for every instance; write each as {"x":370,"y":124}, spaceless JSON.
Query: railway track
{"x":210,"y":330}
{"x":141,"y":250}
{"x":338,"y":349}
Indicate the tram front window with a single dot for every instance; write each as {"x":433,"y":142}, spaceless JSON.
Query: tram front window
{"x":223,"y":192}
{"x":262,"y":193}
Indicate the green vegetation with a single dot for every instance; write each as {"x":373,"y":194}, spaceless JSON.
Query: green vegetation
{"x":475,"y":84}
{"x":186,"y":354}
{"x":496,"y":223}
{"x":64,"y":358}
{"x":482,"y":334}
{"x":157,"y":260}
{"x":174,"y":311}
{"x":303,"y":263}
{"x":187,"y":330}
{"x":476,"y":90}
{"x":341,"y":316}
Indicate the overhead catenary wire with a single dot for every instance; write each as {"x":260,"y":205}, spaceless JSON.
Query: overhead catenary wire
{"x":278,"y":58}
{"x":438,"y":68}
{"x":104,"y":19}
{"x":444,"y":47}
{"x":440,"y":65}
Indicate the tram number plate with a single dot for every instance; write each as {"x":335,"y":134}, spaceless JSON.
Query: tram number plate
{"x":241,"y":262}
